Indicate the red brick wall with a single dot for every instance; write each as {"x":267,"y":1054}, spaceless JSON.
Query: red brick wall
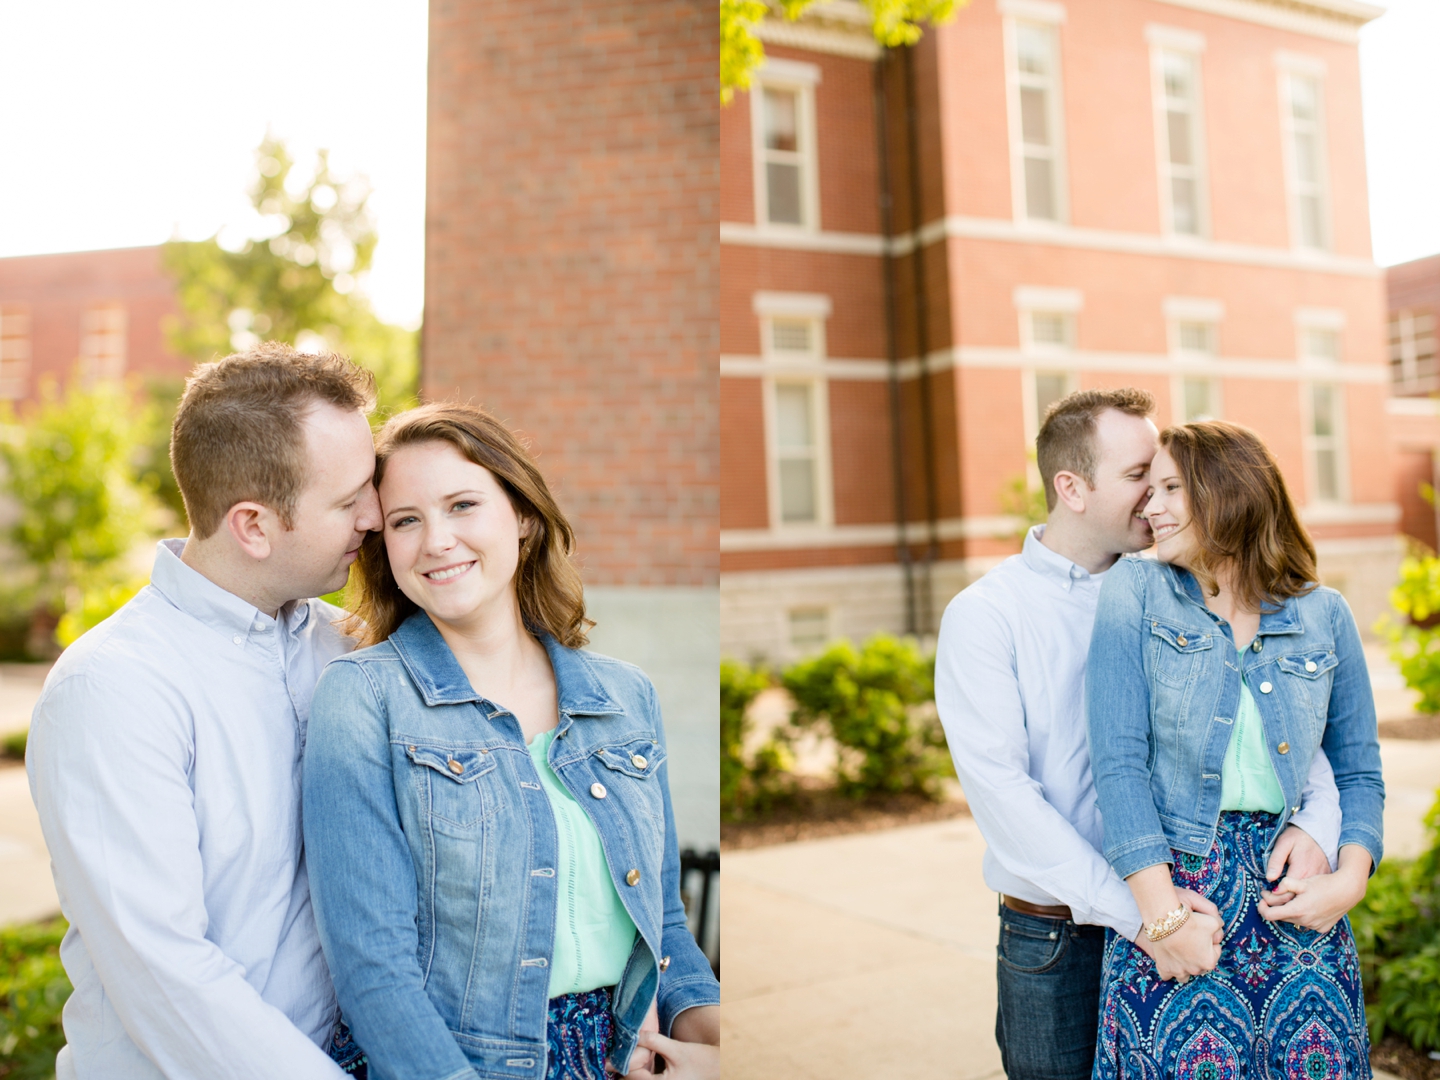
{"x":572,"y":260}
{"x":56,"y":290}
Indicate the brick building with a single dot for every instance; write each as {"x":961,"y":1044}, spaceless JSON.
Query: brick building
{"x":921,"y":250}
{"x":1413,"y":290}
{"x":98,"y":313}
{"x":572,"y":265}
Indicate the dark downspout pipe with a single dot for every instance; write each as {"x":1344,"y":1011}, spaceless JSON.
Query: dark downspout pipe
{"x":922,"y":348}
{"x":897,"y":434}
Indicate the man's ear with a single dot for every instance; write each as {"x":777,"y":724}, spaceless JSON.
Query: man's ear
{"x":1070,"y":489}
{"x":250,"y":524}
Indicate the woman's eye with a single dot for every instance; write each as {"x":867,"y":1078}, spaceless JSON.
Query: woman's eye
{"x":400,"y":522}
{"x":463,"y":504}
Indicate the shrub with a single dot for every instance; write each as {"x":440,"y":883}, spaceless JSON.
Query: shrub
{"x":1397,"y":931}
{"x":13,"y":745}
{"x":869,"y":698}
{"x":752,"y":783}
{"x":33,"y":990}
{"x":1416,"y":648}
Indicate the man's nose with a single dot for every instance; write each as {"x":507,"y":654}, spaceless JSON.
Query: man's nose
{"x":369,"y":519}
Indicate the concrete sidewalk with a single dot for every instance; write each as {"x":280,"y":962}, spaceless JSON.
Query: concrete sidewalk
{"x":27,"y":890}
{"x":873,"y":955}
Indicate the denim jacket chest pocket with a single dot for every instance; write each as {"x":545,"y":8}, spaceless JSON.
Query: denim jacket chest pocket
{"x":1310,"y":675}
{"x":1176,"y":651}
{"x":633,"y":765}
{"x":455,"y":784}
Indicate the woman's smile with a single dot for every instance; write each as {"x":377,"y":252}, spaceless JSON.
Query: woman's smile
{"x":448,"y":573}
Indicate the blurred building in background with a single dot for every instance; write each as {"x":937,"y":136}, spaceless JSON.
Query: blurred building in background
{"x":1414,"y":296}
{"x":572,"y":264}
{"x":921,"y":251}
{"x":96,"y":313}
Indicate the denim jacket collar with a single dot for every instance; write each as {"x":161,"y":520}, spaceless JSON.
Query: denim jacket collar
{"x":441,"y":680}
{"x":1285,"y":620}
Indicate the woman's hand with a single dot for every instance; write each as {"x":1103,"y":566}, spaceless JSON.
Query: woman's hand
{"x":1192,"y":950}
{"x":1318,"y":903}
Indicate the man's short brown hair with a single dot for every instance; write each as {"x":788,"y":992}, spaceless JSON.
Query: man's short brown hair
{"x":239,"y":433}
{"x":1066,"y":442}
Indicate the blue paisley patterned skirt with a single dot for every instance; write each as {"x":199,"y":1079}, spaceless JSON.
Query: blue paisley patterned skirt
{"x":578,"y":1031}
{"x":1283,"y":1004}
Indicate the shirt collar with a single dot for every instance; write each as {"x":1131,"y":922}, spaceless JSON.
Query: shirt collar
{"x":196,"y":595}
{"x":441,"y":680}
{"x":1051,"y":564}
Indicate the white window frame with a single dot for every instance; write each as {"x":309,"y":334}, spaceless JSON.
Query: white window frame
{"x":15,"y":351}
{"x":1193,"y":365}
{"x":1409,"y":380}
{"x":1050,"y":17}
{"x":1328,"y":319}
{"x":1043,"y":357}
{"x":1170,"y":40}
{"x":801,"y":79}
{"x":1340,"y":441}
{"x":784,"y":368}
{"x":1288,"y":66}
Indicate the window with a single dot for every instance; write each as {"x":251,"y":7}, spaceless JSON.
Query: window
{"x":809,"y":627}
{"x":1050,"y":387}
{"x":1194,"y":343}
{"x":102,"y":342}
{"x":1320,"y":343}
{"x":1195,"y":338}
{"x":1181,"y":156}
{"x":1199,"y":400}
{"x":782,"y":117}
{"x":1325,"y":441}
{"x":14,"y":351}
{"x":1412,"y":352}
{"x":1039,"y":158}
{"x":792,"y":336}
{"x":1047,"y":331}
{"x":796,"y":453}
{"x":1304,"y":125}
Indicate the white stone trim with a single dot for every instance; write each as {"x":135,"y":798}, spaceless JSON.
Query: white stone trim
{"x":1040,"y":11}
{"x":1048,"y":234}
{"x":1317,"y":318}
{"x":1046,"y":298}
{"x":1197,"y":308}
{"x":1333,"y":20}
{"x":795,"y":304}
{"x":1301,"y":63}
{"x":832,"y":40}
{"x":880,"y":535}
{"x":1408,"y":406}
{"x":789,"y":72}
{"x":1350,"y":514}
{"x":1174,"y":37}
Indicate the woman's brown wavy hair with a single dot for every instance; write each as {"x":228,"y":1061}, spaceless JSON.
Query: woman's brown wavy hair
{"x":547,"y":584}
{"x":1242,"y":514}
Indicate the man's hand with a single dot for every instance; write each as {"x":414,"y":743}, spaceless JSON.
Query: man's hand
{"x":641,"y":1061}
{"x":1318,"y":903}
{"x":694,"y":1051}
{"x":1304,"y":856}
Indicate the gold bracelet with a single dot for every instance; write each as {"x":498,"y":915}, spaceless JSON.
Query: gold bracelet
{"x":1167,"y":925}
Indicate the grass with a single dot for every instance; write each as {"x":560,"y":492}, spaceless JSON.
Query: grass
{"x":33,"y":989}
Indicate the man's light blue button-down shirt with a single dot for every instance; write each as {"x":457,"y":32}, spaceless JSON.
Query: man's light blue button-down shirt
{"x":1010,"y":688}
{"x":164,"y":759}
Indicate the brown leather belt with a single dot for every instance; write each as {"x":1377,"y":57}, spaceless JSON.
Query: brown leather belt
{"x":1027,"y":908}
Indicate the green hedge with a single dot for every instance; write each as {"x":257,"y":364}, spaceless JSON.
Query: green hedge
{"x":33,"y":989}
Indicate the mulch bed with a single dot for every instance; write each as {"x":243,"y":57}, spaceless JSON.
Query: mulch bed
{"x":1396,"y":1056}
{"x":1412,"y":727}
{"x":813,"y":812}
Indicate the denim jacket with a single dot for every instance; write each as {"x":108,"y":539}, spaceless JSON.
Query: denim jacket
{"x":1162,"y":688}
{"x":431,"y":848}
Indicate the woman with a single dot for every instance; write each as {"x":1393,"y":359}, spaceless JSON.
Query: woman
{"x":1214,"y":674}
{"x":488,"y":829}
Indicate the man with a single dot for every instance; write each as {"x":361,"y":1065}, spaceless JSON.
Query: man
{"x":165,"y":751}
{"x":1009,"y":685}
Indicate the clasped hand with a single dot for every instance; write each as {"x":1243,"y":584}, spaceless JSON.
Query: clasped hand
{"x":1192,"y":950}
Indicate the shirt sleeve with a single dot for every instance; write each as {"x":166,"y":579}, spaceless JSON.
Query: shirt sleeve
{"x":110,"y":775}
{"x":1319,"y":812}
{"x":977,"y":693}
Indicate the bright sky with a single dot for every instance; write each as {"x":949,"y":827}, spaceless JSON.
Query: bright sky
{"x":123,"y":123}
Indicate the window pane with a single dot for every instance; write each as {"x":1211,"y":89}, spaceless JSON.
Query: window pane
{"x":1196,"y":337}
{"x":1304,"y":98}
{"x":1307,"y":169}
{"x":1181,"y":152}
{"x":1322,"y":345}
{"x":1050,"y":387}
{"x":1049,"y":328}
{"x":1032,"y":49}
{"x":1327,"y":474}
{"x":1177,"y":77}
{"x":1322,"y":423}
{"x":809,"y":627}
{"x":783,"y":193}
{"x":1199,"y":400}
{"x":1183,"y":215}
{"x":781,"y":131}
{"x":792,"y":417}
{"x":790,"y":335}
{"x":1312,"y":232}
{"x":1039,"y":189}
{"x":797,"y":490}
{"x":1034,"y":120}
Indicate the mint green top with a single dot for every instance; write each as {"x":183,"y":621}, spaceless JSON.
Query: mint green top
{"x":1247,"y":778}
{"x":593,"y":932}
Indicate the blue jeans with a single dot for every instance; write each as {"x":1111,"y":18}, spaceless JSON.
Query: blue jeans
{"x":1048,"y":972}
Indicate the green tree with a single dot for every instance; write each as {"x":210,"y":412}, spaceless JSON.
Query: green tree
{"x":70,"y":465}
{"x":298,"y":283}
{"x":893,"y":22}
